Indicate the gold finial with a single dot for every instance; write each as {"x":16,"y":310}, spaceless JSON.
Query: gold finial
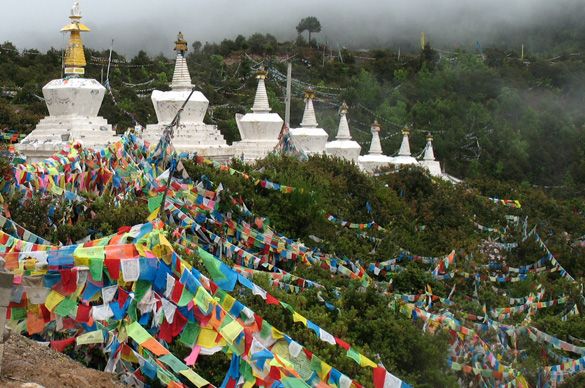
{"x":75,"y":57}
{"x":309,"y":93}
{"x":344,"y":108}
{"x":181,"y":43}
{"x":406,"y":130}
{"x":376,"y":126}
{"x":429,"y":137}
{"x":261,"y":73}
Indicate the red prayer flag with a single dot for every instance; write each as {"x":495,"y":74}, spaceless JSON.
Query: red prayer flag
{"x":342,"y":343}
{"x":83,"y":312}
{"x":62,"y":344}
{"x":271,"y":300}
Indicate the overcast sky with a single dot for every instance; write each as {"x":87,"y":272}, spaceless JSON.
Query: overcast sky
{"x":152,"y":25}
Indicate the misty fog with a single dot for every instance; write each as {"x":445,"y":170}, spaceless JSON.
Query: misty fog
{"x":152,"y":25}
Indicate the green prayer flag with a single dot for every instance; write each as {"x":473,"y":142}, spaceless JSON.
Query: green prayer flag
{"x":220,"y":295}
{"x":246,"y":371}
{"x":20,"y":313}
{"x":266,"y":330}
{"x":96,"y":268}
{"x":190,"y":334}
{"x":186,"y":297}
{"x":354,"y":355}
{"x":65,"y":307}
{"x":154,"y":202}
{"x":315,"y":363}
{"x":163,"y":376}
{"x":142,"y":287}
{"x":212,"y":264}
{"x":137,"y":332}
{"x":293,"y":382}
{"x":171,"y":360}
{"x":287,"y":306}
{"x":132,"y":310}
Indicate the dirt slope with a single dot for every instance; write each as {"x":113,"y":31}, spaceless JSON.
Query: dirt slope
{"x":27,"y":361}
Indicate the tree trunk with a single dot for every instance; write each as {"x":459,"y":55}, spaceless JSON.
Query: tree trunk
{"x":309,"y":38}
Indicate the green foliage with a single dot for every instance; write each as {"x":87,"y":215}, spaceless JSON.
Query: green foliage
{"x":576,"y":381}
{"x":64,"y":221}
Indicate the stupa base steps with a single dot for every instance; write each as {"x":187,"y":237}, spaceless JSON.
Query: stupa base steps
{"x":253,"y":149}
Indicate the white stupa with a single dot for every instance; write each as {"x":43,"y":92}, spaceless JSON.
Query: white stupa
{"x":375,"y":159}
{"x":192,"y":134}
{"x":260,"y":129}
{"x":308,"y":137}
{"x":73,"y":104}
{"x":404,"y":157}
{"x":343,"y":146}
{"x":428,"y":161}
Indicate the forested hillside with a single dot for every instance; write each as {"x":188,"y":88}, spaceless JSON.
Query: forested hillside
{"x":397,"y":279}
{"x":494,"y":114}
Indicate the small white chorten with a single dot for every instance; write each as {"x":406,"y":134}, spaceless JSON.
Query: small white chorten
{"x":343,"y":147}
{"x":192,"y":135}
{"x":404,"y":156}
{"x":73,"y":104}
{"x":309,"y":138}
{"x":428,"y":161}
{"x":260,"y":129}
{"x":375,"y":159}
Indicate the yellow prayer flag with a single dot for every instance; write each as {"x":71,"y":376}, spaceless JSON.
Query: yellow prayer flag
{"x":154,"y":214}
{"x":207,"y":338}
{"x":523,"y":381}
{"x":228,"y":302}
{"x":164,"y":250}
{"x":249,"y":384}
{"x":279,"y":362}
{"x":422,"y":40}
{"x":203,"y":299}
{"x":195,"y":378}
{"x":82,"y":261}
{"x":276,"y":334}
{"x":53,"y":299}
{"x":231,"y":331}
{"x":299,"y":318}
{"x":141,"y":249}
{"x":86,"y":253}
{"x":364,"y":361}
{"x":324,"y":372}
{"x":92,"y":337}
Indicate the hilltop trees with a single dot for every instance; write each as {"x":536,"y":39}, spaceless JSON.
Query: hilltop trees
{"x":311,"y":24}
{"x":501,"y":117}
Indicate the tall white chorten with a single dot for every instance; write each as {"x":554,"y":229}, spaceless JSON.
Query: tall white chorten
{"x":73,"y":104}
{"x":192,"y":135}
{"x":260,"y":129}
{"x":428,"y":160}
{"x":375,"y":159}
{"x":343,"y":147}
{"x":308,"y":137}
{"x":404,"y":155}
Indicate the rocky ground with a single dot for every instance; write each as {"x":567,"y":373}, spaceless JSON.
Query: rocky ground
{"x":29,"y":364}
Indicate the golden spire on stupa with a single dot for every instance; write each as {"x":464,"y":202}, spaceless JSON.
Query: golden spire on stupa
{"x":181,"y":44}
{"x":75,"y":57}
